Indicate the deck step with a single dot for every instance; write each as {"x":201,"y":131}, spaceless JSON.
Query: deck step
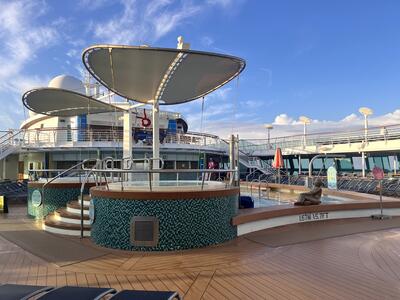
{"x":54,"y":226}
{"x":86,"y":200}
{"x":63,"y":215}
{"x":74,"y":207}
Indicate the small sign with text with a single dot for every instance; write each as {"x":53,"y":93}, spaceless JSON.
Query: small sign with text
{"x":313,"y":216}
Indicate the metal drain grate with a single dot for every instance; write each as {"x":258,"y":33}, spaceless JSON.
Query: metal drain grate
{"x":144,"y":231}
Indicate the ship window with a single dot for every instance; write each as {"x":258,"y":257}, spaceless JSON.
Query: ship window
{"x":345,"y":164}
{"x":392,"y":164}
{"x":182,"y":164}
{"x":304,"y":163}
{"x":194,"y":164}
{"x":328,"y":162}
{"x":318,"y":163}
{"x":357,"y":163}
{"x":371,"y":163}
{"x":386,"y":164}
{"x":378,"y":161}
{"x":169,"y":164}
{"x":295,"y":163}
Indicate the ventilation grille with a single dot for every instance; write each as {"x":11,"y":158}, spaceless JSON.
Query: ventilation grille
{"x":144,"y":231}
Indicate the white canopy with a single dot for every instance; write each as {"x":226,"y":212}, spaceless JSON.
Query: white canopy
{"x":169,"y":75}
{"x":64,"y":103}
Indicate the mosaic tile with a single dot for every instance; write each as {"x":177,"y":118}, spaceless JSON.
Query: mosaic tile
{"x":184,"y":224}
{"x":54,"y":198}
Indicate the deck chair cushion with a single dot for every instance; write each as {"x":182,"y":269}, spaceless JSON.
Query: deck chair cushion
{"x":73,"y":292}
{"x":18,"y":291}
{"x":145,"y":295}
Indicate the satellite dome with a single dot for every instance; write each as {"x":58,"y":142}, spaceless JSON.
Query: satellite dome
{"x":67,"y":82}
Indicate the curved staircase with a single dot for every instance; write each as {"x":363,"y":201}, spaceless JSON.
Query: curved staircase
{"x":67,"y":220}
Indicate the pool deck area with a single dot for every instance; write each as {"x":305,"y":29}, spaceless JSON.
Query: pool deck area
{"x":349,"y":205}
{"x":300,"y":261}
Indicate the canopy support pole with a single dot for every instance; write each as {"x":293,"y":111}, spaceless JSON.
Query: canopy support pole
{"x":127,"y":139}
{"x":363,"y":163}
{"x":156,"y":140}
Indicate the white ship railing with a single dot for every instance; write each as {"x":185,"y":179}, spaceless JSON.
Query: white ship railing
{"x":65,"y":137}
{"x":386,"y":134}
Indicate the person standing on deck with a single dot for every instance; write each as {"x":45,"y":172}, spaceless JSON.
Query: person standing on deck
{"x":210,"y":165}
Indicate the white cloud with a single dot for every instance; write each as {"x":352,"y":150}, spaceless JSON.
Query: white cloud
{"x":255,"y":104}
{"x":72,"y":53}
{"x":166,"y":21}
{"x":283,"y":119}
{"x":23,"y":83}
{"x":21,"y":40}
{"x":155,"y":6}
{"x":285,"y":125}
{"x":207,"y":41}
{"x":350,"y":118}
{"x":147,"y":22}
{"x":93,"y":4}
{"x":224,"y":3}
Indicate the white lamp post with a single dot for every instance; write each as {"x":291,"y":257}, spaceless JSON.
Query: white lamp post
{"x":269,"y":127}
{"x":365,"y":111}
{"x":305,"y":122}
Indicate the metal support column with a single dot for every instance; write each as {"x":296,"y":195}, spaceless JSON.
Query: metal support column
{"x":232,"y":153}
{"x":299,"y":165}
{"x":127,"y":139}
{"x":236,"y":159}
{"x":156,"y":140}
{"x":363,"y":163}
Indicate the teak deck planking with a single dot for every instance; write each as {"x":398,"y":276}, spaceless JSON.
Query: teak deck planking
{"x":359,"y":266}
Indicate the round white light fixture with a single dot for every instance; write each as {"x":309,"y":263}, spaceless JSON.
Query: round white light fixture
{"x":305,"y":120}
{"x":366,"y":111}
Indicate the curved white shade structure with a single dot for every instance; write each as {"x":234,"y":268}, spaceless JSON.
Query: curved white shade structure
{"x":64,"y":103}
{"x":169,"y":75}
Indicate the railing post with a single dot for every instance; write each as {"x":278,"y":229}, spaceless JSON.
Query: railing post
{"x":202,"y":180}
{"x":150,"y":187}
{"x":82,"y":225}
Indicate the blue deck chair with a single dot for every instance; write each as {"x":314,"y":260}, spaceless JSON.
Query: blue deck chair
{"x":74,"y":292}
{"x":145,"y":295}
{"x":21,"y":292}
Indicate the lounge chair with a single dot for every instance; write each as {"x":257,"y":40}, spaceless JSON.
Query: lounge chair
{"x":145,"y":295}
{"x":73,"y":292}
{"x":21,"y":292}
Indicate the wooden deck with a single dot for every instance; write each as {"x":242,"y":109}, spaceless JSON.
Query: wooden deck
{"x":359,"y":266}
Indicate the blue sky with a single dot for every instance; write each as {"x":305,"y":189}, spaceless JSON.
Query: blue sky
{"x":322,"y":59}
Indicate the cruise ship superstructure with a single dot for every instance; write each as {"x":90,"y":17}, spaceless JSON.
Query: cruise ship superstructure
{"x":54,"y":142}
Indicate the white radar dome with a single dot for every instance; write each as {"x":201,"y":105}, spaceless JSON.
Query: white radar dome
{"x":67,"y":82}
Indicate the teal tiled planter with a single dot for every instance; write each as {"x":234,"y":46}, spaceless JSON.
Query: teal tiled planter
{"x":55,"y":196}
{"x":183,"y":224}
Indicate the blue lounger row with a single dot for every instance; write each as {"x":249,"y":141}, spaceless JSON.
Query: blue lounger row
{"x":18,"y":292}
{"x":145,"y":295}
{"x":25,"y":292}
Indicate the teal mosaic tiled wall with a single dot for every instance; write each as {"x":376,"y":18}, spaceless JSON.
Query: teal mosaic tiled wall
{"x":184,"y":224}
{"x":54,"y":198}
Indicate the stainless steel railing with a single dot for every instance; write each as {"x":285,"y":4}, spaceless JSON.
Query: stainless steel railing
{"x":57,"y":137}
{"x":321,"y":139}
